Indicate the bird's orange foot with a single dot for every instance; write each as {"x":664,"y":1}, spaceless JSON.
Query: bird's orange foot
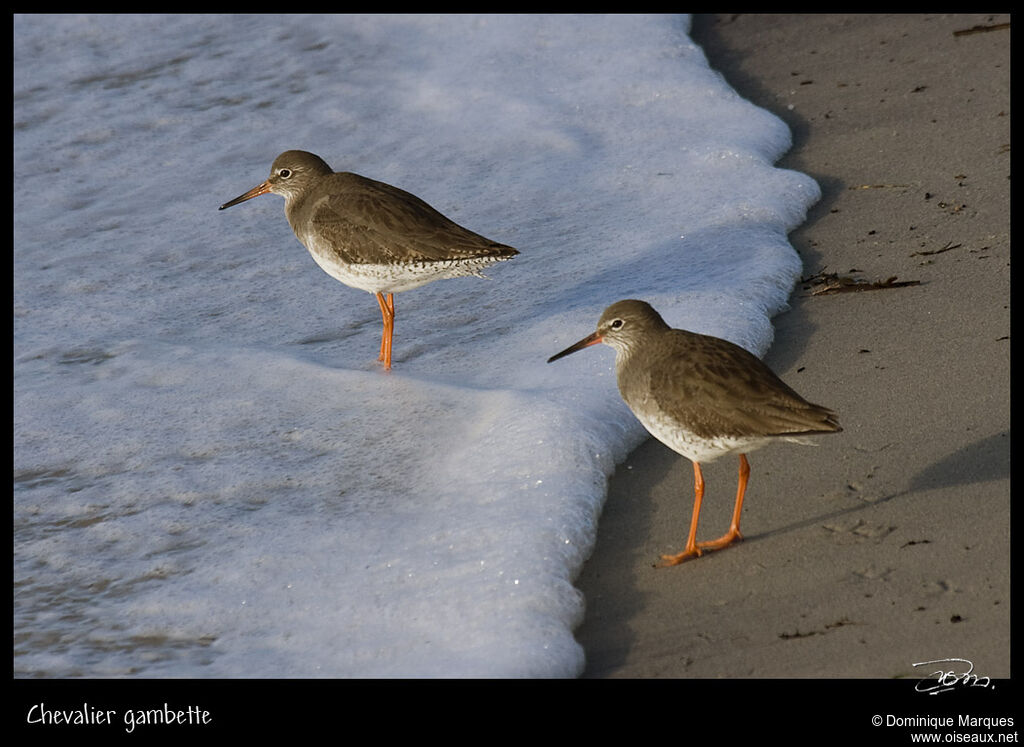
{"x":670,"y":560}
{"x":730,"y":537}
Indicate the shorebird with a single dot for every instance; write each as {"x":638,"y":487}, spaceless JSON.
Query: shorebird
{"x":703,"y":397}
{"x":370,"y":235}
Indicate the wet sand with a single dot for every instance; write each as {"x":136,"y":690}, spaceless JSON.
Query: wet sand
{"x":888,"y":544}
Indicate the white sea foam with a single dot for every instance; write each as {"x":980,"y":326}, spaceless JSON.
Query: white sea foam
{"x":214,"y":478}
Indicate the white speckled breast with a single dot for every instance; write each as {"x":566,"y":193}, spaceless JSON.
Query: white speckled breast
{"x":393,"y":277}
{"x":694,"y":448}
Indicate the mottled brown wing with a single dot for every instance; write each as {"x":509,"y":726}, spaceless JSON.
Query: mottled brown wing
{"x":726,"y":390}
{"x":365,"y":218}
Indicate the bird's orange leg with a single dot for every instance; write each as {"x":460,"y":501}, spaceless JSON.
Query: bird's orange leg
{"x":692,"y":550}
{"x":733,"y":535}
{"x":387,"y":312}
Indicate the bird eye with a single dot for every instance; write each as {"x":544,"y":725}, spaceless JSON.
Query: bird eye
{"x":284,"y":173}
{"x":617,"y":324}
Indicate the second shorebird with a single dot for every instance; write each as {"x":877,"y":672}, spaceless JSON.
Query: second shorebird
{"x":703,"y":397}
{"x":370,"y":235}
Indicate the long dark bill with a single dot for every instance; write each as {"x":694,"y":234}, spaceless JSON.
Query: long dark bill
{"x":586,"y":342}
{"x":254,"y":192}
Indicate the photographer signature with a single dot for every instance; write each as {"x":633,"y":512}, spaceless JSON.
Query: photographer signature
{"x":946,"y":680}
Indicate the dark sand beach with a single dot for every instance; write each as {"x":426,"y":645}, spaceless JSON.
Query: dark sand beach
{"x":888,"y":544}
